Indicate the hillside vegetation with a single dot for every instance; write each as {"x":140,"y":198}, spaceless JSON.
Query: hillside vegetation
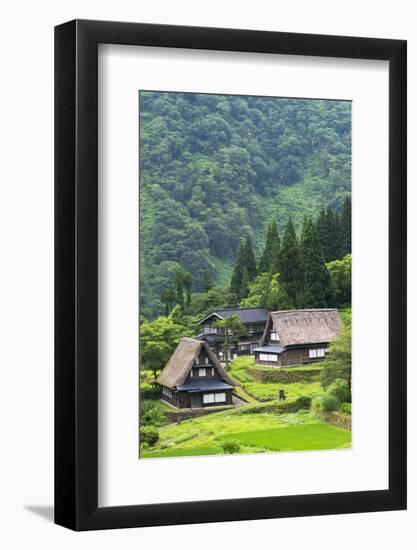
{"x":215,"y":169}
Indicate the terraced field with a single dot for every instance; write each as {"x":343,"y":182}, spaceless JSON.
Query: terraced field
{"x":254,"y":433}
{"x":258,"y":427}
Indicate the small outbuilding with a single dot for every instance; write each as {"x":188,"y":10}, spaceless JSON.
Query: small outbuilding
{"x":194,"y":377}
{"x":298,"y":337}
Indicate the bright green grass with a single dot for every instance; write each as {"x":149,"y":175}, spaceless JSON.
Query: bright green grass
{"x":313,"y":366}
{"x":295,"y":438}
{"x":263,"y":391}
{"x":257,"y":432}
{"x":178,"y":451}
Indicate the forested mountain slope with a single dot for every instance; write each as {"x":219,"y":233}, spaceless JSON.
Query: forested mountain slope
{"x":214,"y":169}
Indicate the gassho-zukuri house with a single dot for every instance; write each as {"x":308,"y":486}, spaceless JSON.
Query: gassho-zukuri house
{"x":194,"y":377}
{"x":297,"y":337}
{"x":254,"y":319}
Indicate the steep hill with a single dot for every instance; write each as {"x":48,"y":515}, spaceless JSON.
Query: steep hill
{"x":215,"y":168}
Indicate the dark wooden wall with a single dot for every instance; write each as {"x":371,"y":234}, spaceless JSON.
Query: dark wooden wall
{"x":292,"y":357}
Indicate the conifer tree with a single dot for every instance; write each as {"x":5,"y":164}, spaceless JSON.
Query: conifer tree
{"x":271,"y":246}
{"x":317,"y":280}
{"x":237,"y":276}
{"x":276,"y":249}
{"x":345,"y":224}
{"x":244,"y":288}
{"x":244,"y":271}
{"x":291,"y":268}
{"x":328,"y":234}
{"x":283,"y":300}
{"x":250,"y":260}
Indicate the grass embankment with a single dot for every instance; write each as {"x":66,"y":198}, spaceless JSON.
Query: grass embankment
{"x":254,"y":380}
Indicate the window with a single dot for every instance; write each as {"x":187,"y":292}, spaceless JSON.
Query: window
{"x":212,"y":371}
{"x":191,"y":373}
{"x":207,"y":360}
{"x":274,"y":336}
{"x":167,"y":392}
{"x":208,"y":398}
{"x":201,"y":372}
{"x":314,"y":353}
{"x":271,"y":357}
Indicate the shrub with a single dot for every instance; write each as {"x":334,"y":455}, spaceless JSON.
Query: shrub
{"x":304,"y":402}
{"x":346,"y":408}
{"x":325,"y":403}
{"x":151,"y":413}
{"x":148,"y":391}
{"x":340,"y":389}
{"x":149,"y":435}
{"x":231,"y":446}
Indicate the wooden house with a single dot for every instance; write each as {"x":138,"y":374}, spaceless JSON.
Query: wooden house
{"x":194,"y":377}
{"x":254,"y":319}
{"x":297,"y":337}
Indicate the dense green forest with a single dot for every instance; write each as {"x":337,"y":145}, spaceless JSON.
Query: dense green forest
{"x":219,"y":177}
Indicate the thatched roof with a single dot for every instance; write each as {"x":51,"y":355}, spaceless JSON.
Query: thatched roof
{"x":181,"y":361}
{"x":306,"y":326}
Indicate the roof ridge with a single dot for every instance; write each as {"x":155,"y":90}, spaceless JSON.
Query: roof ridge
{"x":310,"y":310}
{"x":240,"y":308}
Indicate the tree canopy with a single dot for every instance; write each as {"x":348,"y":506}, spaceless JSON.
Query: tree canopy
{"x":215,"y":169}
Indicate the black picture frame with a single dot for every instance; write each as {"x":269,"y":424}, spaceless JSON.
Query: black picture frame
{"x":76,"y":272}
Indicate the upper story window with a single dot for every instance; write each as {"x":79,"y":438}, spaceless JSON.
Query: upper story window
{"x":208,"y":329}
{"x":202,"y":372}
{"x":274,"y":336}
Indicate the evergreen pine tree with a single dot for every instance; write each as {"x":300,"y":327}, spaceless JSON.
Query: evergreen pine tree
{"x":283,"y":300}
{"x":237,"y":275}
{"x":345,"y":225}
{"x":265,"y":263}
{"x":250,"y":260}
{"x":275,"y":251}
{"x":304,"y":229}
{"x":244,"y":288}
{"x":317,"y":280}
{"x":328,"y":235}
{"x":290,"y":266}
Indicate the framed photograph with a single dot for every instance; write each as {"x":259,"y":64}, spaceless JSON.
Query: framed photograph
{"x":230,"y":275}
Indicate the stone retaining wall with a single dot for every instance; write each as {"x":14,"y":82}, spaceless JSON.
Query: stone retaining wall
{"x":339,"y":419}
